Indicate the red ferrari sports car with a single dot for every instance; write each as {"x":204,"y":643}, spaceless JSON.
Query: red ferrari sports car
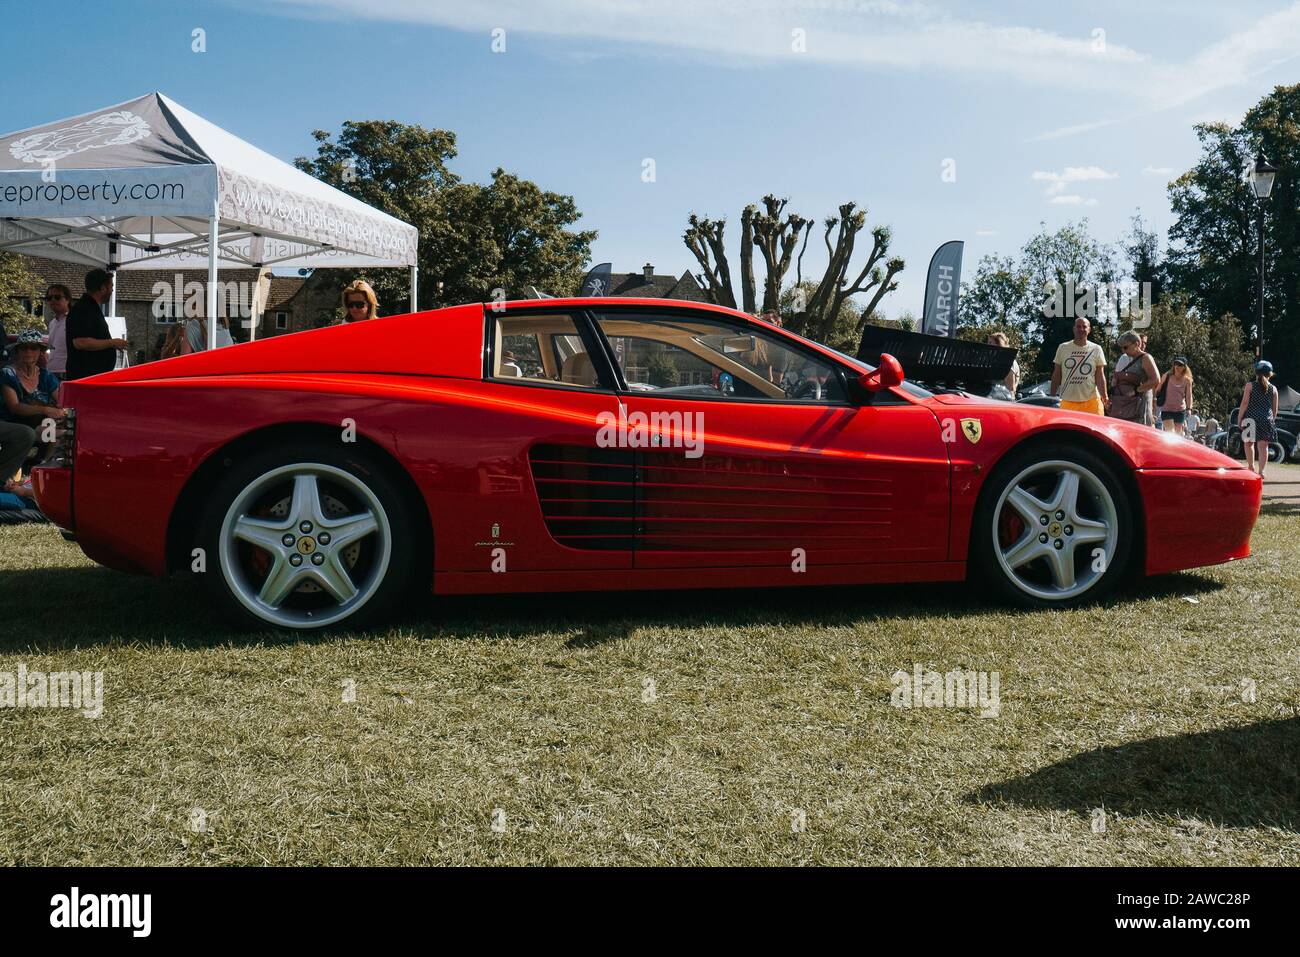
{"x":569,"y":444}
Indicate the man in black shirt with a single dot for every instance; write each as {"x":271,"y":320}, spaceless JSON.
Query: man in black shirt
{"x":90,"y":349}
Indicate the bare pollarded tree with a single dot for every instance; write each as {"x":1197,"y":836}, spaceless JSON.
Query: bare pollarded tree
{"x":777,"y":234}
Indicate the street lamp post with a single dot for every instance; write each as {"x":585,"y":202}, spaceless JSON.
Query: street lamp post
{"x":1261,"y":181}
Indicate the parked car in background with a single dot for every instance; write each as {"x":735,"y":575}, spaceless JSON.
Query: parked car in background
{"x":1285,"y":449}
{"x":1288,"y":421}
{"x":1039,"y":394}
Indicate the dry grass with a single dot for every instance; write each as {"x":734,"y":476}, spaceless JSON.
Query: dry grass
{"x":764,"y":703}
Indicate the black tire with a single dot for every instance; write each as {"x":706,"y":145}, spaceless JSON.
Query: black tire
{"x":984,"y":563}
{"x":382,"y":565}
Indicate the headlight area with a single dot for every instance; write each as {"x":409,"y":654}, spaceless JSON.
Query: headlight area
{"x":52,"y":479}
{"x":1197,"y":517}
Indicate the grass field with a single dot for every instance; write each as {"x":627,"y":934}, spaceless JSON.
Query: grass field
{"x":738,"y":727}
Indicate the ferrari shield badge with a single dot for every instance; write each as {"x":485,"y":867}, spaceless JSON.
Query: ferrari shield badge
{"x":972,"y":430}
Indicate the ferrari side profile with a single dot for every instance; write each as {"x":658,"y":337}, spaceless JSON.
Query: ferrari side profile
{"x":314,"y":479}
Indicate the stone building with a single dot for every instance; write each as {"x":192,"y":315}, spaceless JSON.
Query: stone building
{"x":647,"y":284}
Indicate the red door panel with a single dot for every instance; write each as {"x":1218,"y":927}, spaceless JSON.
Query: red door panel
{"x":847,"y":485}
{"x":523,"y":451}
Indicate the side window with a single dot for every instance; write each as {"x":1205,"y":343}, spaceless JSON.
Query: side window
{"x":543,"y":348}
{"x":689,"y":356}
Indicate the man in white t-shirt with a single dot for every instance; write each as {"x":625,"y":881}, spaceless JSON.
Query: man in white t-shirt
{"x":1079,"y":372}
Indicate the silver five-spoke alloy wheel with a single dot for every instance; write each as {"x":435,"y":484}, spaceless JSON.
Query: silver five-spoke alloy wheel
{"x":1055,"y":530}
{"x":323,"y":518}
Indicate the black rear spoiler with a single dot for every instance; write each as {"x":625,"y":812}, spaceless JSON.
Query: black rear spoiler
{"x":954,"y":363}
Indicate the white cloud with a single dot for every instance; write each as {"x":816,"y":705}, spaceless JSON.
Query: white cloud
{"x":1165,"y":171}
{"x":872,"y":34}
{"x":1072,"y":200}
{"x":889,"y":35}
{"x":1235,"y":60}
{"x":1057,"y":182}
{"x":1072,"y":130}
{"x":1232,"y":62}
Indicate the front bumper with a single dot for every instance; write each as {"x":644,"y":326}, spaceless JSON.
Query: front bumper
{"x":1197,"y":517}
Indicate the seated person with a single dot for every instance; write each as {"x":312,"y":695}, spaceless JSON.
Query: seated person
{"x":509,"y":367}
{"x":16,"y":440}
{"x":29,"y":392}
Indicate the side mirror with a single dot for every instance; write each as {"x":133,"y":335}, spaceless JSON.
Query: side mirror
{"x":886,"y":375}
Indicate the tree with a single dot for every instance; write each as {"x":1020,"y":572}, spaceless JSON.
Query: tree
{"x":661,"y":370}
{"x":17,"y":282}
{"x":510,"y":234}
{"x":998,"y":296}
{"x":1035,"y":297}
{"x":1274,"y":124}
{"x":845,"y":330}
{"x":777,"y":234}
{"x":1064,"y":267}
{"x":1142,"y":252}
{"x":1213,"y":242}
{"x":1214,"y":351}
{"x":1212,"y":246}
{"x":474,"y":238}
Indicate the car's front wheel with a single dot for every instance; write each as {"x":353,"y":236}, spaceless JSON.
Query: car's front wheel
{"x":307,"y":537}
{"x":1053,"y":527}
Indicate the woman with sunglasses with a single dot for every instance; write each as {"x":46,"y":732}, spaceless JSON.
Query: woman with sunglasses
{"x":359,"y":301}
{"x":58,"y":300}
{"x":1134,"y":378}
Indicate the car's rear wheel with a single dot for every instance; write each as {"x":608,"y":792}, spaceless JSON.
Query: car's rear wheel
{"x":307,"y":537}
{"x":1054,"y":527}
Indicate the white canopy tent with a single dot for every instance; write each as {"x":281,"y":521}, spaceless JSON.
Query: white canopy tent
{"x":147,"y":184}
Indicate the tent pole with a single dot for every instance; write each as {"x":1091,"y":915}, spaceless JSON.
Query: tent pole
{"x":112,"y":268}
{"x":213,"y":223}
{"x":256,"y":317}
{"x":256,"y":250}
{"x":415,"y":275}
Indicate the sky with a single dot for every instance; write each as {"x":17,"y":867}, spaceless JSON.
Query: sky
{"x":945,"y":120}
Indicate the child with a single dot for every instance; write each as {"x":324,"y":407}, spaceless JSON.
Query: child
{"x":1258,"y":416}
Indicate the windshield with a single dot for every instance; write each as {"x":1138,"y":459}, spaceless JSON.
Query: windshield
{"x":700,"y":355}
